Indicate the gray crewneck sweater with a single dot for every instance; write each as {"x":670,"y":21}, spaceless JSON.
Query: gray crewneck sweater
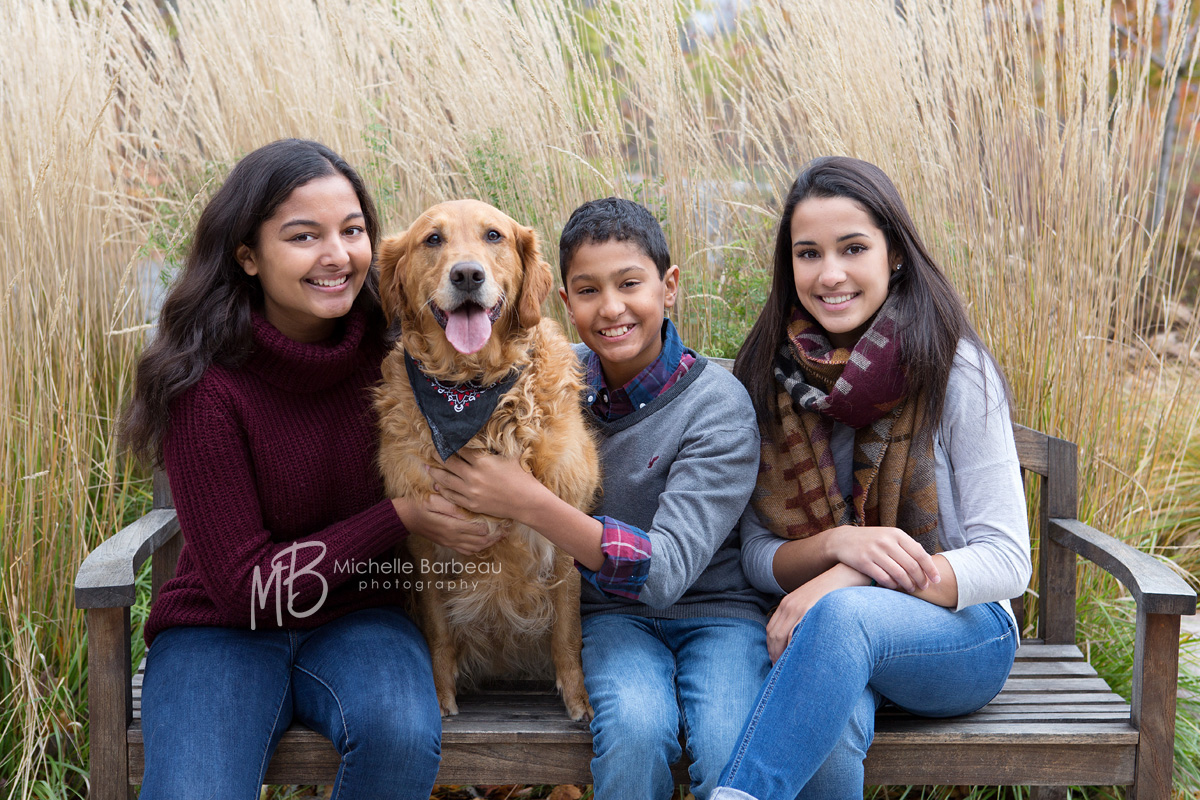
{"x":982,"y":523}
{"x":681,"y":469}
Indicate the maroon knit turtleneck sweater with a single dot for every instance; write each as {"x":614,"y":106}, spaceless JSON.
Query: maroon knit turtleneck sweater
{"x":275,"y":453}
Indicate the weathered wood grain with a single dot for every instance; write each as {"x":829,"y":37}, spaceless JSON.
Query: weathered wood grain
{"x":1014,"y":698}
{"x":162,"y":564}
{"x":110,"y":701}
{"x":1043,"y":684}
{"x":1031,"y":449}
{"x":1056,"y":723}
{"x":1155,"y":678}
{"x":106,"y":578}
{"x":1035,"y":651}
{"x":161,"y":490}
{"x":1156,"y":588}
{"x":1056,"y":565}
{"x":517,"y":731}
{"x":1016,"y":764}
{"x":1052,"y":669}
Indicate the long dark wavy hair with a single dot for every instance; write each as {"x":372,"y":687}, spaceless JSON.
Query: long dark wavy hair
{"x":206,"y":317}
{"x":932,"y":317}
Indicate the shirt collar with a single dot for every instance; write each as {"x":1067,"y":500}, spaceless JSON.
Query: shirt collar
{"x":647,"y":384}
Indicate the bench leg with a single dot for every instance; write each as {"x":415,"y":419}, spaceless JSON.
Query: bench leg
{"x":110,"y":702}
{"x":1155,"y":682}
{"x":1049,"y":792}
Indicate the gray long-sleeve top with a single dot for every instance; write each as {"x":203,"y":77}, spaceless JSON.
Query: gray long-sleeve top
{"x":681,"y":469}
{"x":982,"y":522}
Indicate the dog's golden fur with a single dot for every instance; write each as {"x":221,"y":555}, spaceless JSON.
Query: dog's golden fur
{"x":528,"y":604}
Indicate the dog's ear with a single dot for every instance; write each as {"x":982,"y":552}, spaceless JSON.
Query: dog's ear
{"x":393,"y":259}
{"x":538,"y":280}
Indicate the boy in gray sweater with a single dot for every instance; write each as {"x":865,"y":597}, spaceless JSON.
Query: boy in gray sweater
{"x":673,"y":634}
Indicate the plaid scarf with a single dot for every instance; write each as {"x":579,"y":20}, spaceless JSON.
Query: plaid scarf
{"x":797,"y":493}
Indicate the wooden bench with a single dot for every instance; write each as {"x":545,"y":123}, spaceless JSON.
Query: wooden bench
{"x":1055,"y":723}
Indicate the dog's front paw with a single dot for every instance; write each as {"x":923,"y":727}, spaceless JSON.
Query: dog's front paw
{"x":578,"y":707}
{"x":446,"y":694}
{"x":585,"y":713}
{"x":449,"y":704}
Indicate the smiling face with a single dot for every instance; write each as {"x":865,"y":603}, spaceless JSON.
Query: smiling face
{"x":616,"y":301}
{"x":464,"y":281}
{"x":474,"y":249}
{"x":312,"y":257}
{"x":840,"y":264}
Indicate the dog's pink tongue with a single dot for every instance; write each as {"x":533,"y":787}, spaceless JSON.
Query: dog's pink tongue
{"x":468,"y":328}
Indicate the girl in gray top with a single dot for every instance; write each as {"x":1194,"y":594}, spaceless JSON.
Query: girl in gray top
{"x":889,"y":508}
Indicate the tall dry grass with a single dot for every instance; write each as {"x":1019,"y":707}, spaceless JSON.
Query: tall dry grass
{"x":1024,"y":136}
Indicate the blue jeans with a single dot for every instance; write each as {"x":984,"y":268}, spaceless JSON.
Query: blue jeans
{"x":815,"y":716}
{"x":647,"y":678}
{"x":216,"y":700}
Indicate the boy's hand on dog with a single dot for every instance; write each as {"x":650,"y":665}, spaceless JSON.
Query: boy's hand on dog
{"x":486,"y":484}
{"x":441,"y":522}
{"x":500,"y":487}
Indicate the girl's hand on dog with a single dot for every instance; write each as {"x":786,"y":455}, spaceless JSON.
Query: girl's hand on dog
{"x":486,"y":484}
{"x":443,"y":523}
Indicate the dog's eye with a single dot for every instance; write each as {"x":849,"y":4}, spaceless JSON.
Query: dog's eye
{"x":494,"y":236}
{"x":433,"y":239}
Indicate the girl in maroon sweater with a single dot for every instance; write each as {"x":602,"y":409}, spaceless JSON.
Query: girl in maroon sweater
{"x":256,"y":396}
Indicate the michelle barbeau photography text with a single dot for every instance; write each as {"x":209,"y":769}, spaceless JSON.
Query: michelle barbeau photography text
{"x":301,"y":558}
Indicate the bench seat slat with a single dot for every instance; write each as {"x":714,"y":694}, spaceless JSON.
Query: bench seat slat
{"x":1053,"y":685}
{"x":1030,"y":698}
{"x":1076,"y":715}
{"x":992,"y":764}
{"x":1052,"y":669}
{"x":1054,"y":721}
{"x":1036,"y":651}
{"x":1044,"y":754}
{"x":1054,"y":708}
{"x":969,"y":730}
{"x":1033,"y":712}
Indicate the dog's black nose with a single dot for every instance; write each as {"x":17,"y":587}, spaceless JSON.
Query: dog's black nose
{"x":467,"y":275}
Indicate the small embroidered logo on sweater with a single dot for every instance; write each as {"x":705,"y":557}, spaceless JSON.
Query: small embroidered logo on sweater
{"x":651,"y":464}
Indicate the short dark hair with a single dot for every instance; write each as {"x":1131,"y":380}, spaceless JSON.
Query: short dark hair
{"x":613,"y":218}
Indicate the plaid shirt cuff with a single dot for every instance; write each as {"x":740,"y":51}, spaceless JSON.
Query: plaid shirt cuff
{"x":626,"y":560}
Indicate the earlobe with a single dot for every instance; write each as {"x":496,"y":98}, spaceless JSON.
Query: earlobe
{"x":671,"y":281}
{"x":245,"y":257}
{"x":566,"y":301}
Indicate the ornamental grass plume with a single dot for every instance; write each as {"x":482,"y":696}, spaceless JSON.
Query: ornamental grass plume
{"x":1025,"y":136}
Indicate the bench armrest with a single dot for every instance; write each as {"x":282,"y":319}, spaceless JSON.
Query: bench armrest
{"x":1162,"y":597}
{"x":106,"y":577}
{"x":1156,"y":588}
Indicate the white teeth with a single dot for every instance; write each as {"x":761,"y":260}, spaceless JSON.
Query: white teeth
{"x":621,"y":331}
{"x":329,"y":281}
{"x":833,"y":301}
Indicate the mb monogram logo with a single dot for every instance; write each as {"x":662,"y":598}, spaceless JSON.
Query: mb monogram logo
{"x":284,"y":572}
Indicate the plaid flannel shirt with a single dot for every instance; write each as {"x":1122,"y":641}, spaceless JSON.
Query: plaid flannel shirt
{"x":626,"y":548}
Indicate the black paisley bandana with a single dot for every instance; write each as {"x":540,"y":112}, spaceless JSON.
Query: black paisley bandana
{"x":455,"y":412}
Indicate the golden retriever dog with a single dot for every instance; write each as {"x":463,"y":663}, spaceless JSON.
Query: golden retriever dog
{"x":466,"y":284}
